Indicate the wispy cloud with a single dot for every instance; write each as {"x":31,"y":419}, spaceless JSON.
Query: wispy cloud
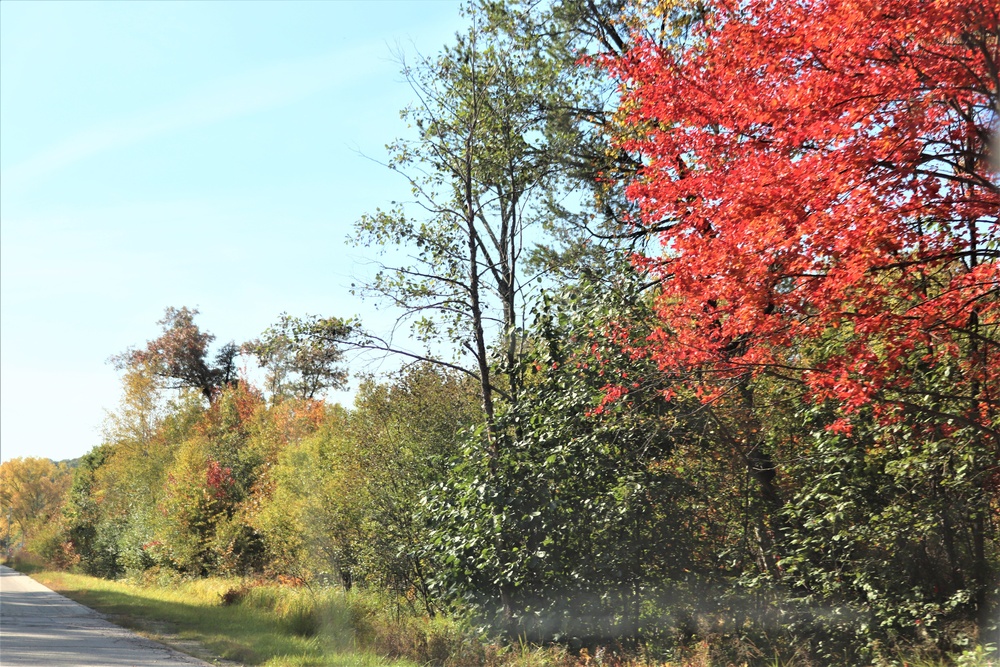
{"x":266,"y":88}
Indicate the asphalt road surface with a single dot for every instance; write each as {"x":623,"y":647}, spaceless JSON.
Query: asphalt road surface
{"x":39,"y":628}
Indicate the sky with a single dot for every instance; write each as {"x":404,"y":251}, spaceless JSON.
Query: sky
{"x":213,"y":155}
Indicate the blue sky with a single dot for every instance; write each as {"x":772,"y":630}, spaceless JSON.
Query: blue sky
{"x":211,"y":155}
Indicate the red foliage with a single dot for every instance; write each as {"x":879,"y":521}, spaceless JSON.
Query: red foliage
{"x":218,"y":479}
{"x":233,"y":411}
{"x":819,"y":165}
{"x":247,"y":399}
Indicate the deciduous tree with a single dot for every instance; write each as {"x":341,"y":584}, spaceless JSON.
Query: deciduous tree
{"x":478,"y":175}
{"x":181,"y":357}
{"x":299,"y":362}
{"x":31,"y":493}
{"x":819,"y":177}
{"x":824,"y":165}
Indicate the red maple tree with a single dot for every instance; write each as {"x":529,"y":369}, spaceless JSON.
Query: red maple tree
{"x":818,"y":166}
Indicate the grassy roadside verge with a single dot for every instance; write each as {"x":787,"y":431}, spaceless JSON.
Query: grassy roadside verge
{"x":278,"y":626}
{"x":286,"y":628}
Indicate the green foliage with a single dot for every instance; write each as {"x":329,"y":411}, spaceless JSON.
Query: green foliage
{"x":345,"y":499}
{"x":886,"y":522}
{"x":313,"y":522}
{"x":584,"y":523}
{"x":83,"y":515}
{"x":407,"y":433}
{"x":301,"y":361}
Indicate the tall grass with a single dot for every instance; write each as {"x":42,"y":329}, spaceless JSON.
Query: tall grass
{"x":271,"y":626}
{"x":257,"y":623}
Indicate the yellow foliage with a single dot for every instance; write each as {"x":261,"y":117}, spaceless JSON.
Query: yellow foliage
{"x":31,"y":493}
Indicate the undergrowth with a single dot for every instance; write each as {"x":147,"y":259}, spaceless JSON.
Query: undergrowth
{"x":261,"y":623}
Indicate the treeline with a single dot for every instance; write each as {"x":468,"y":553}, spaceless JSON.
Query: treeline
{"x":246,"y":486}
{"x":703,"y":309}
{"x":629,"y":523}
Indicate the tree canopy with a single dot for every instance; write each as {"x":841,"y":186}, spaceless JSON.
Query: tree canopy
{"x":181,"y":357}
{"x":817,"y":166}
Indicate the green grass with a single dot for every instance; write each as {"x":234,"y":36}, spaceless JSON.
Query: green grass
{"x":275,"y":625}
{"x":27,"y":566}
{"x":272,"y":627}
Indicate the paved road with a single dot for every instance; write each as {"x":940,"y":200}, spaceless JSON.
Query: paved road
{"x":39,"y":628}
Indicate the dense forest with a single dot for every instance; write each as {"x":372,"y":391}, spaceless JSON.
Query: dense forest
{"x":698,"y":338}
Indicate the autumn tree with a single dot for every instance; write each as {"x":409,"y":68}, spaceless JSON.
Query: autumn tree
{"x":559,"y":40}
{"x":819,"y":177}
{"x":31,"y":493}
{"x":815,"y":182}
{"x":139,"y":412}
{"x":346,"y":499}
{"x":181,"y":358}
{"x":113,"y":508}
